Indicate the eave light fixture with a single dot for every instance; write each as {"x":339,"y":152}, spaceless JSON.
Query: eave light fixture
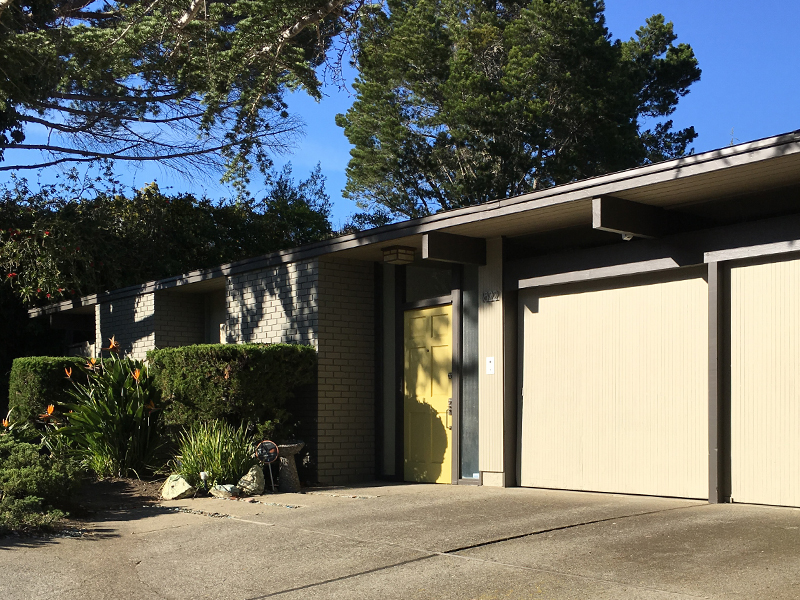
{"x":398,"y":255}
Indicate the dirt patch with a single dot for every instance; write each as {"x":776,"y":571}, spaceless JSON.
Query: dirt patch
{"x":114,"y":494}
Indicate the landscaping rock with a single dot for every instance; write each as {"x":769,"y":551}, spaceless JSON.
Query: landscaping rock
{"x":252,"y":484}
{"x":225,"y":491}
{"x":176,"y":488}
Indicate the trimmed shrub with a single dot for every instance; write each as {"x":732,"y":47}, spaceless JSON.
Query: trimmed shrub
{"x":33,"y":484}
{"x":37,"y":381}
{"x":237,"y":383}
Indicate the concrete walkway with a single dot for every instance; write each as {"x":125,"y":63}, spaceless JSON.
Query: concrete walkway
{"x":418,"y":541}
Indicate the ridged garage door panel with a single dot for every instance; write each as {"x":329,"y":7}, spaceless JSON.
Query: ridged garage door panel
{"x":765,"y":383}
{"x":615,"y":389}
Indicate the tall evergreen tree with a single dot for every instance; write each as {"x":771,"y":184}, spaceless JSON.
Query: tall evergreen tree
{"x":464,"y":101}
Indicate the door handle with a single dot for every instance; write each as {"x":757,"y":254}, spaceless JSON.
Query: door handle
{"x":448,"y":416}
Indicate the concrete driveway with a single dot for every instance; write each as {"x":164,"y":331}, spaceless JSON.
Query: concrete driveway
{"x":418,"y":541}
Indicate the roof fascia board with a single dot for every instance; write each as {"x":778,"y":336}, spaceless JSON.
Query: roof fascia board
{"x":90,"y":300}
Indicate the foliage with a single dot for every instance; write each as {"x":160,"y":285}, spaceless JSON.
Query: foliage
{"x":223,"y":451}
{"x":185,"y":83}
{"x":461,"y":102}
{"x":113,"y":421}
{"x":38,"y":381}
{"x":82,"y":236}
{"x":34,"y":485}
{"x":236,"y":383}
{"x":21,"y":336}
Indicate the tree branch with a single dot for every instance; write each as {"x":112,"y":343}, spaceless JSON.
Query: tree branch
{"x":89,"y":155}
{"x":99,"y":114}
{"x":116,"y":99}
{"x":294,"y":30}
{"x":190,"y":14}
{"x":69,"y":8}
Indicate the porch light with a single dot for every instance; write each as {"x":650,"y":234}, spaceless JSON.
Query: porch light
{"x":398,"y":255}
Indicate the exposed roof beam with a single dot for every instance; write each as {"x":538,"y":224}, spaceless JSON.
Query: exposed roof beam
{"x":448,"y":247}
{"x":630,"y":219}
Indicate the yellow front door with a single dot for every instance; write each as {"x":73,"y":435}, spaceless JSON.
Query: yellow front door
{"x":428,"y":389}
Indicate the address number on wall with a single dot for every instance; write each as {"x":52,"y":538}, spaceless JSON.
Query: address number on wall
{"x":491,"y":296}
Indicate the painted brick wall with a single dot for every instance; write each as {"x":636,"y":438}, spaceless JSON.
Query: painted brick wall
{"x":326,"y":303}
{"x":131,"y":321}
{"x":346,"y":393}
{"x":277,"y":304}
{"x":179,"y":319}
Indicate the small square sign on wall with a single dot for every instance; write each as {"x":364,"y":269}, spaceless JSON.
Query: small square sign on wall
{"x":490,"y":365}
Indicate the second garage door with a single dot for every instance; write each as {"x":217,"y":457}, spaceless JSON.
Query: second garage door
{"x":615,"y":386}
{"x":765,"y":382}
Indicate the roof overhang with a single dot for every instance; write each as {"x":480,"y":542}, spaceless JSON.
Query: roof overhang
{"x":770,"y":163}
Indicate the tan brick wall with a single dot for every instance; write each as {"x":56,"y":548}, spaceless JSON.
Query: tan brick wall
{"x":132,"y":322}
{"x":277,"y":304}
{"x":326,"y":303}
{"x":179,"y":319}
{"x":346,"y":397}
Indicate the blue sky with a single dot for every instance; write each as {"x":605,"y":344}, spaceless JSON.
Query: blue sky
{"x":750,"y":88}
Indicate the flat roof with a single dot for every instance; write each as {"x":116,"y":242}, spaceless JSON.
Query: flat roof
{"x":768,"y":163}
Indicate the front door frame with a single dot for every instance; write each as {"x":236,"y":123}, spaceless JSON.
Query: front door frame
{"x":453,"y":299}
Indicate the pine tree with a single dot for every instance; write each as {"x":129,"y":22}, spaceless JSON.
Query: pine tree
{"x":461,"y":101}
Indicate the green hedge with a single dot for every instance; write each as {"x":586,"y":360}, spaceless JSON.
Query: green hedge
{"x":33,"y":485}
{"x":238,"y":383}
{"x":36,"y":381}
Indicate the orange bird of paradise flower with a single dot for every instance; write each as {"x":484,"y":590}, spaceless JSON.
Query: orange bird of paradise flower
{"x":68,"y":372}
{"x":136,"y":374}
{"x":90,"y":364}
{"x":49,"y":413}
{"x":113,"y":344}
{"x":6,"y":423}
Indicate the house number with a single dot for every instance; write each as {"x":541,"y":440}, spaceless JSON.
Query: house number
{"x":491,"y":296}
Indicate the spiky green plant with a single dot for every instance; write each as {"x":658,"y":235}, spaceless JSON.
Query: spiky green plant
{"x":113,"y":425}
{"x":225,"y":452}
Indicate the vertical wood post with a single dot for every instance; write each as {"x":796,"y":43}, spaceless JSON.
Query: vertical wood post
{"x":717,"y":448}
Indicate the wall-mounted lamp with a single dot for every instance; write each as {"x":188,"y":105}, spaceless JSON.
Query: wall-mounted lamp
{"x":398,"y":255}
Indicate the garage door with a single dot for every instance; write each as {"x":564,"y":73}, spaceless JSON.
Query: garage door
{"x":765,"y":383}
{"x":615,"y":387}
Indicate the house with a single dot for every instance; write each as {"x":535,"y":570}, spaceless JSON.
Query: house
{"x":636,"y":333}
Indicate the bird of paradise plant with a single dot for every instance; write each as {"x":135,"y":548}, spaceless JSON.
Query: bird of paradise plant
{"x":114,"y":423}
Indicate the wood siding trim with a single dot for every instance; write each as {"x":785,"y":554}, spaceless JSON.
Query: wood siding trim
{"x":634,"y":268}
{"x":752,"y":251}
{"x":510,"y":387}
{"x":490,"y":336}
{"x":714,"y":385}
{"x":681,"y":250}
